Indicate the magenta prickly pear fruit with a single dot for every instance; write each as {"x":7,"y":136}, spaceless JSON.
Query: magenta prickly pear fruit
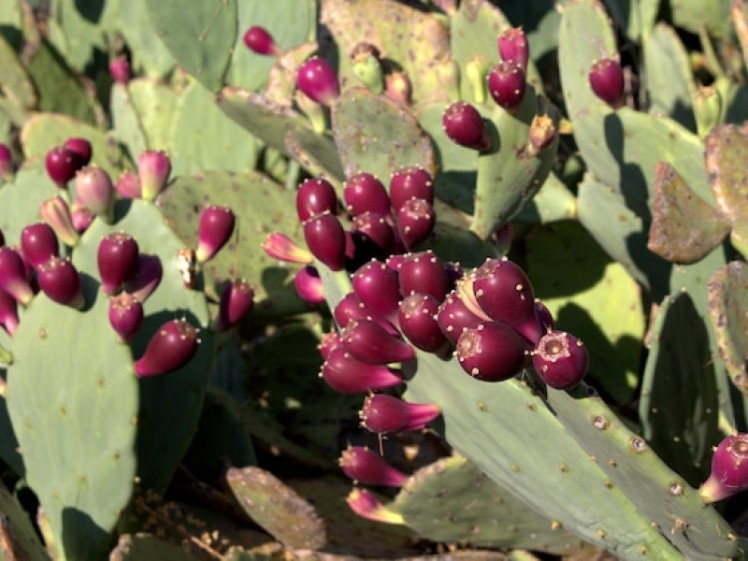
{"x":119,"y":69}
{"x":423,"y":273}
{"x":351,"y":307}
{"x":81,"y":148}
{"x":326,"y":240}
{"x":492,"y":351}
{"x":62,"y":164}
{"x":513,"y":47}
{"x":454,"y":317}
{"x":314,"y":197}
{"x":93,"y":187}
{"x":154,"y":168}
{"x":417,"y":315}
{"x":146,"y":277}
{"x":56,"y":212}
{"x":729,"y":473}
{"x":409,"y":182}
{"x":128,"y":185}
{"x":415,"y":222}
{"x":373,"y":232}
{"x":369,"y":342}
{"x":125,"y":315}
{"x":170,"y":348}
{"x":258,"y":40}
{"x":2,"y":239}
{"x":13,"y":279}
{"x":236,"y":303}
{"x":279,"y":246}
{"x":60,"y":281}
{"x":39,"y":243}
{"x":366,"y":466}
{"x":506,"y":84}
{"x":8,"y":312}
{"x":606,"y":81}
{"x":215,"y":229}
{"x":464,"y":126}
{"x":560,"y":359}
{"x":365,"y":193}
{"x":384,"y":413}
{"x":81,"y":216}
{"x":378,"y":288}
{"x":116,"y":258}
{"x":328,"y":343}
{"x":6,"y":160}
{"x":367,"y":506}
{"x":545,"y":317}
{"x":318,"y":81}
{"x":308,"y":285}
{"x":345,"y":374}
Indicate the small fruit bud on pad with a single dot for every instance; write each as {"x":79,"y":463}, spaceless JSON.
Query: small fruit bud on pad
{"x":542,"y":132}
{"x":170,"y":348}
{"x":215,"y":229}
{"x":366,"y":505}
{"x":6,"y":160}
{"x":154,"y":168}
{"x":318,"y":81}
{"x":729,"y":473}
{"x":366,"y":466}
{"x":560,"y":360}
{"x":119,"y":69}
{"x":383,"y":413}
{"x":259,"y":40}
{"x":606,"y":81}
{"x":464,"y":126}
{"x":279,"y":246}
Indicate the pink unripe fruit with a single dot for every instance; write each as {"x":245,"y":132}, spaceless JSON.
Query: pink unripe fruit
{"x":60,"y":281}
{"x":6,"y":160}
{"x":8,"y":312}
{"x":125,"y":315}
{"x":116,"y":258}
{"x":154,"y":168}
{"x":13,"y":279}
{"x":258,"y":40}
{"x":214,"y":231}
{"x":309,"y":285}
{"x":93,"y":187}
{"x":318,"y":81}
{"x":729,"y":473}
{"x":606,"y":81}
{"x":128,"y":185}
{"x":119,"y":69}
{"x":366,"y":466}
{"x":170,"y":348}
{"x":38,"y":243}
{"x":82,"y":217}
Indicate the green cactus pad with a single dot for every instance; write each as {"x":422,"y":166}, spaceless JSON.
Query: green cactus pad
{"x":17,"y":535}
{"x":16,"y":84}
{"x":44,"y":131}
{"x":149,"y":54}
{"x":315,"y":153}
{"x":170,"y":404}
{"x":30,"y":187}
{"x":74,"y":407}
{"x":637,"y":17}
{"x":201,"y":39}
{"x":409,"y":38}
{"x":453,"y":501}
{"x":145,"y":546}
{"x":214,"y":141}
{"x":77,"y":29}
{"x":574,"y":278}
{"x":679,"y":404}
{"x":277,"y":508}
{"x":725,"y":157}
{"x":553,"y":202}
{"x":375,"y":135}
{"x":728,"y":290}
{"x":8,"y":442}
{"x":684,"y":228}
{"x":690,"y":14}
{"x":126,"y":123}
{"x":281,"y":80}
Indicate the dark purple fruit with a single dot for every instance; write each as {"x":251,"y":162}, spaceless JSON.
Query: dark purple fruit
{"x":378,"y":288}
{"x":369,"y":468}
{"x":729,"y":473}
{"x":417,"y":316}
{"x":326,"y":240}
{"x":125,"y":315}
{"x":384,"y":413}
{"x":345,"y":374}
{"x":454,"y":317}
{"x":258,"y":40}
{"x":59,"y":280}
{"x":6,"y":161}
{"x":513,"y":47}
{"x":170,"y":348}
{"x":409,"y":182}
{"x":314,"y":197}
{"x":374,"y":233}
{"x":146,"y":277}
{"x":215,"y":229}
{"x":39,"y":243}
{"x":369,"y":342}
{"x":464,"y":126}
{"x":308,"y":285}
{"x":606,"y":81}
{"x":423,"y":273}
{"x":492,"y":351}
{"x":415,"y":222}
{"x":62,"y":164}
{"x":318,"y":81}
{"x":365,"y":193}
{"x":8,"y":312}
{"x":13,"y":279}
{"x":237,"y":301}
{"x":507,"y":84}
{"x":81,"y":148}
{"x":116,"y":258}
{"x":560,"y":359}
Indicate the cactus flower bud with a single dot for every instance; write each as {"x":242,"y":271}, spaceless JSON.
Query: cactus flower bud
{"x":729,"y":469}
{"x":6,"y":160}
{"x":154,"y":168}
{"x":279,"y":246}
{"x":366,"y":505}
{"x":8,"y":312}
{"x":81,"y":148}
{"x":383,"y":413}
{"x":56,"y":212}
{"x":60,"y":281}
{"x":13,"y":279}
{"x":259,"y":40}
{"x":318,"y":81}
{"x":93,"y":188}
{"x":125,"y":315}
{"x":120,"y":71}
{"x":170,"y":348}
{"x":366,"y":466}
{"x":116,"y":258}
{"x":61,"y":165}
{"x":215,"y":229}
{"x":237,"y":301}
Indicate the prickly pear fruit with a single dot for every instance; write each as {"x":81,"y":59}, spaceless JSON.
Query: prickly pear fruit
{"x":119,"y":70}
{"x":38,"y":243}
{"x":378,"y":288}
{"x":729,"y":473}
{"x":606,"y":81}
{"x":13,"y":278}
{"x":146,"y":276}
{"x":125,"y":315}
{"x":55,"y":211}
{"x":369,"y":342}
{"x":81,"y":148}
{"x":464,"y":125}
{"x":560,"y":359}
{"x":116,"y":257}
{"x":415,"y":222}
{"x":171,"y":347}
{"x":507,"y":84}
{"x":417,"y":316}
{"x":81,"y":216}
{"x":367,"y":506}
{"x":61,"y":165}
{"x":454,"y":317}
{"x":128,"y":185}
{"x":237,"y":301}
{"x":214,"y":230}
{"x":365,"y":193}
{"x":318,"y":81}
{"x":93,"y":187}
{"x":513,"y":47}
{"x":424,"y":273}
{"x":398,"y":88}
{"x":366,"y":466}
{"x":154,"y":168}
{"x":308,"y":285}
{"x":259,"y":40}
{"x":384,"y":413}
{"x":60,"y":281}
{"x":373,"y":233}
{"x":491,"y":351}
{"x":6,"y":160}
{"x":409,"y":182}
{"x":8,"y":312}
{"x":326,"y":239}
{"x":345,"y":374}
{"x":314,"y":197}
{"x":328,"y":343}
